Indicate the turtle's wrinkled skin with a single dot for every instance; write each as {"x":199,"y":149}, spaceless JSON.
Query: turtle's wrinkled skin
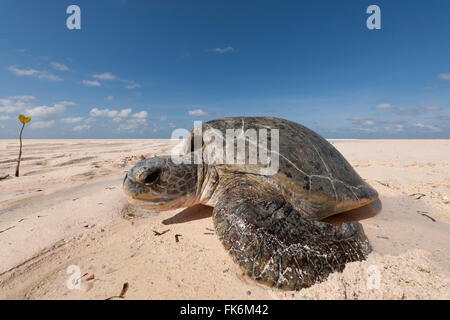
{"x":269,"y":223}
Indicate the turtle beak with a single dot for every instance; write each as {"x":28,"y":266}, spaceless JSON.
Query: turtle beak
{"x":139,"y":194}
{"x":129,"y":186}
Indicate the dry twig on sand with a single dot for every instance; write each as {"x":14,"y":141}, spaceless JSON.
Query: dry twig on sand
{"x":423,"y":213}
{"x":7,"y":229}
{"x":122,"y":293}
{"x":156,"y":233}
{"x":417,"y":196}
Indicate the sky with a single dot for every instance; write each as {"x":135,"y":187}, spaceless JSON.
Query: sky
{"x":140,"y":69}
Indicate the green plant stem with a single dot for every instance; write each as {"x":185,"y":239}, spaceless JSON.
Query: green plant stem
{"x":20,"y":151}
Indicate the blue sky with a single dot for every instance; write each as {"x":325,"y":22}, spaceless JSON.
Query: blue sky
{"x":139,"y":69}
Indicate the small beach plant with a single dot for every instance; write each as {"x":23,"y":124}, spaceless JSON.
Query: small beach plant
{"x":24,"y":120}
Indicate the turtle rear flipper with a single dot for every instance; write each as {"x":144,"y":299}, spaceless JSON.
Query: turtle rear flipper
{"x":275,"y":245}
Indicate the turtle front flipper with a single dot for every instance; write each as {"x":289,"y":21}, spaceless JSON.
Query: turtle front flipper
{"x":275,"y":245}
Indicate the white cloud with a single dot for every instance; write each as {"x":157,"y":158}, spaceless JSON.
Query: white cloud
{"x":124,"y":113}
{"x":108,"y":76}
{"x":110,"y":113}
{"x":26,"y":98}
{"x":407,"y":111}
{"x":41,"y":75}
{"x":223,"y":50}
{"x":91,"y":83}
{"x":132,"y":125}
{"x":125,"y":118}
{"x":42,"y":124}
{"x":398,"y":127}
{"x":369,"y":125}
{"x":432,"y":108}
{"x":198,"y":113}
{"x":21,"y":104}
{"x":48,"y":76}
{"x":12,"y":104}
{"x":59,"y":66}
{"x":384,"y":106}
{"x":132,"y":85}
{"x":72,"y":120}
{"x":65,"y":103}
{"x":140,"y":115}
{"x":84,"y":125}
{"x":23,"y":72}
{"x":404,"y":111}
{"x":109,"y":98}
{"x":43,"y":112}
{"x":445,"y":76}
{"x":2,"y":118}
{"x":103,"y":113}
{"x":105,"y":76}
{"x":360,"y":124}
{"x":362,"y":121}
{"x":81,"y":127}
{"x":425,"y":127}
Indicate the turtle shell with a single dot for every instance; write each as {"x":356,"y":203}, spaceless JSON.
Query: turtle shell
{"x":312,"y":174}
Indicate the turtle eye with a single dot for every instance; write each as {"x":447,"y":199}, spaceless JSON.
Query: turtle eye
{"x":150,"y":177}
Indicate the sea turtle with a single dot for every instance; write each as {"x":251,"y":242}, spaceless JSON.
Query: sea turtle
{"x":269,"y":223}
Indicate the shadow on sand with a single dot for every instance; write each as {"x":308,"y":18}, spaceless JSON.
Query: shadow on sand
{"x":366,"y":212}
{"x":198,"y":212}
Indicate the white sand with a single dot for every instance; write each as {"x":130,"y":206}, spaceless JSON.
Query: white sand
{"x":67,"y":208}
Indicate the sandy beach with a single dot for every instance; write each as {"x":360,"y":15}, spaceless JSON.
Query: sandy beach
{"x":68,"y":209}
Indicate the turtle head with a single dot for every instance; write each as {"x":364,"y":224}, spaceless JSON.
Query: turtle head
{"x":160,"y":184}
